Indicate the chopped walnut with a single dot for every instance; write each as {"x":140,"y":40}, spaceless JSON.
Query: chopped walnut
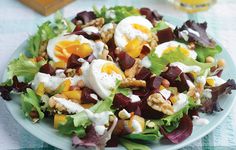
{"x":99,"y":22}
{"x":42,"y":50}
{"x":157,"y":102}
{"x":107,"y":34}
{"x":131,"y":72}
{"x":153,"y":41}
{"x":70,"y":72}
{"x":132,"y":82}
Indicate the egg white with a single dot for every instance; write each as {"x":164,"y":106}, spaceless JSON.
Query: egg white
{"x":125,"y":30}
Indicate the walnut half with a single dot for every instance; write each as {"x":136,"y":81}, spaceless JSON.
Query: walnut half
{"x":157,"y":102}
{"x":132,"y":82}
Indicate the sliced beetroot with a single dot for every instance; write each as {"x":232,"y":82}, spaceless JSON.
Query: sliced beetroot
{"x":171,"y":74}
{"x":125,"y":61}
{"x":92,"y":36}
{"x":145,"y":50}
{"x":144,"y":74}
{"x":48,"y":69}
{"x":77,"y":28}
{"x":121,"y":101}
{"x":132,"y":107}
{"x":150,"y":15}
{"x":183,"y":131}
{"x":193,"y":112}
{"x":154,"y":82}
{"x":121,"y":128}
{"x":183,"y":86}
{"x":73,"y":62}
{"x":111,"y":47}
{"x":113,"y":142}
{"x":86,"y":16}
{"x":148,"y":113}
{"x":138,"y":111}
{"x":90,"y":58}
{"x":86,"y":96}
{"x":141,"y":92}
{"x":165,"y":35}
{"x":190,"y":75}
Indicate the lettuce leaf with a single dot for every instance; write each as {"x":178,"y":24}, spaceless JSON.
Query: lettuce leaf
{"x":47,"y":31}
{"x":146,"y":135}
{"x":130,"y":145}
{"x":160,"y":26}
{"x":158,"y":64}
{"x":24,"y":67}
{"x":203,"y":52}
{"x":116,"y":13}
{"x":30,"y":102}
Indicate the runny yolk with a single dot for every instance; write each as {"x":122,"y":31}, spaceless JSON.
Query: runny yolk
{"x":141,"y":28}
{"x":64,"y":49}
{"x":134,"y":47}
{"x":183,"y":50}
{"x":109,"y":68}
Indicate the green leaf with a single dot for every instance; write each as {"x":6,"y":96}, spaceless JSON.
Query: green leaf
{"x":146,"y":135}
{"x":158,"y":64}
{"x":130,"y":145}
{"x":30,"y":102}
{"x":68,"y":128}
{"x":172,"y":119}
{"x":160,"y":26}
{"x":124,"y":91}
{"x":118,"y":13}
{"x":24,"y":67}
{"x":47,"y":31}
{"x":203,"y":52}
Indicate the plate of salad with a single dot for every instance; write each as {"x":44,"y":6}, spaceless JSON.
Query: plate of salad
{"x":120,"y":77}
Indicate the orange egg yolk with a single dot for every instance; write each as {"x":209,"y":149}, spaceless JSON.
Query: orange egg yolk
{"x":109,"y":68}
{"x":141,"y":28}
{"x":183,"y":50}
{"x":64,"y":49}
{"x":134,"y":47}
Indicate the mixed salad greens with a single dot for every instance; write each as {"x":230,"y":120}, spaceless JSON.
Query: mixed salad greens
{"x":119,"y":75}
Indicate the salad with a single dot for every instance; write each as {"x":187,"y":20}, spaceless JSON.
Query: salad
{"x":119,"y":75}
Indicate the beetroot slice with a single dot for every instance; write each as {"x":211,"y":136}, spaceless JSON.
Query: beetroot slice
{"x":111,"y":47}
{"x":150,"y":15}
{"x":125,"y":61}
{"x":121,"y":101}
{"x":86,"y":16}
{"x":165,"y":35}
{"x":145,"y":50}
{"x":86,"y":96}
{"x":144,"y":74}
{"x":182,"y":132}
{"x":92,"y":36}
{"x":155,"y":82}
{"x":73,"y":62}
{"x":48,"y":69}
{"x":171,"y":74}
{"x":132,"y":107}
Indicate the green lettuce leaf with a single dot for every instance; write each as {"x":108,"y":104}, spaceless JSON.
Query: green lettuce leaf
{"x":146,"y":135}
{"x":130,"y":145}
{"x":160,"y":26}
{"x":24,"y":67}
{"x":203,"y":52}
{"x":30,"y":102}
{"x":47,"y":31}
{"x":118,"y":13}
{"x":158,"y":64}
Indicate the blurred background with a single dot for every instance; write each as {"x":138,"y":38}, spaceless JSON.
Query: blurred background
{"x":18,"y":21}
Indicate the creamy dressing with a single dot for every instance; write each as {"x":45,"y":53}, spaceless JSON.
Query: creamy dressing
{"x":98,"y":47}
{"x":190,"y":84}
{"x":70,"y":106}
{"x":146,"y":62}
{"x":199,"y":121}
{"x":134,"y":98}
{"x":99,"y":120}
{"x":184,"y":68}
{"x":207,"y":93}
{"x":184,"y":35}
{"x":52,"y":82}
{"x":91,"y":29}
{"x":136,"y":126}
{"x":94,"y":96}
{"x":193,"y":32}
{"x":124,"y":114}
{"x":165,"y":93}
{"x":181,"y":102}
{"x":60,"y":73}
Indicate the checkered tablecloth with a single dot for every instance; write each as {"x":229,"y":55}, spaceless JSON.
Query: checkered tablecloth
{"x":17,"y":22}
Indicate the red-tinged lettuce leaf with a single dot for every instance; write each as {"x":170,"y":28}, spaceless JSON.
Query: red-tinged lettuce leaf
{"x":85,"y":16}
{"x":202,"y":39}
{"x":183,"y":131}
{"x":92,"y":139}
{"x":212,"y":104}
{"x":12,"y":84}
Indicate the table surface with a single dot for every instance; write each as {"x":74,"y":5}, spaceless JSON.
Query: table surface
{"x":17,"y":22}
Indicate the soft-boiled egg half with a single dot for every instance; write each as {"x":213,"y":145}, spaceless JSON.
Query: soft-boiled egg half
{"x":60,"y":48}
{"x":132,"y":33}
{"x":172,"y":45}
{"x":103,"y":75}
